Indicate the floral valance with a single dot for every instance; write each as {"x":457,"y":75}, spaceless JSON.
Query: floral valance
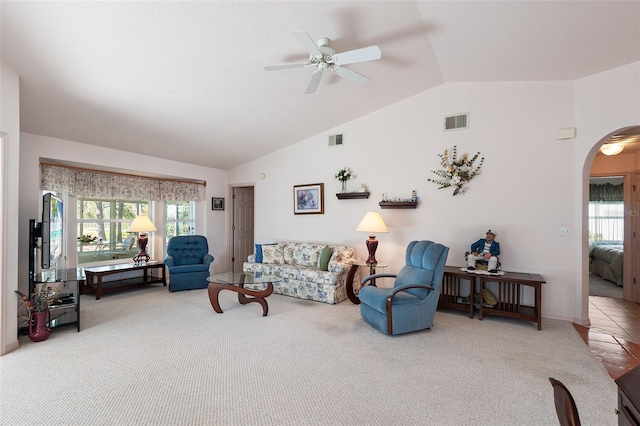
{"x":98,"y":184}
{"x":605,"y":192}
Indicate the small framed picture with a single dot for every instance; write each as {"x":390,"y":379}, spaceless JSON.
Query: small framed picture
{"x":217,"y":203}
{"x":308,"y":199}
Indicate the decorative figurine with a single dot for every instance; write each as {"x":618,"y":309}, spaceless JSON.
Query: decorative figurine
{"x":485,"y":249}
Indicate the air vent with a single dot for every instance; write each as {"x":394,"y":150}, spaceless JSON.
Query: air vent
{"x":456,"y":122}
{"x":336,"y":140}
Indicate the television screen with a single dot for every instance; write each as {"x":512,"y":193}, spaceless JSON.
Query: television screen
{"x":52,"y":215}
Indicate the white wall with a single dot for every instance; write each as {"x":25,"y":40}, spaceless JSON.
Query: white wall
{"x":10,"y":131}
{"x":33,"y":147}
{"x":605,"y":103}
{"x":528,"y":189}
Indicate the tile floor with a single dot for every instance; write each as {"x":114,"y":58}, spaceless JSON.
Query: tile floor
{"x":614,"y":334}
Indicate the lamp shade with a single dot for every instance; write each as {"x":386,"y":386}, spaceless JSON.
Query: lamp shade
{"x":372,"y":223}
{"x":612,"y":148}
{"x":142,"y":223}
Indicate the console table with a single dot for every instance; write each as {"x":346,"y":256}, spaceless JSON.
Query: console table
{"x":94,"y":276}
{"x":451,"y":294}
{"x":509,"y":294}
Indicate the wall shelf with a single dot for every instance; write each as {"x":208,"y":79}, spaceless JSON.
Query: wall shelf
{"x":352,"y":195}
{"x":398,"y":205}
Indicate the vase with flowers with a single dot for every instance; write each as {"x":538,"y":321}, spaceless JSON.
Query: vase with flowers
{"x":38,"y":306}
{"x":343,"y":175}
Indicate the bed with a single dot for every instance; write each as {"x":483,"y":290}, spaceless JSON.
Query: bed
{"x":606,"y":262}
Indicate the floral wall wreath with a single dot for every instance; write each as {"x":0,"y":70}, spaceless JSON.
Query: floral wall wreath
{"x":456,"y":171}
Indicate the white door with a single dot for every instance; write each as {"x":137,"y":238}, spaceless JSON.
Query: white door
{"x":242,"y":226}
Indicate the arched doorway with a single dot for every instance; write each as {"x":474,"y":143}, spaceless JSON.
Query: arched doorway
{"x":625,"y":164}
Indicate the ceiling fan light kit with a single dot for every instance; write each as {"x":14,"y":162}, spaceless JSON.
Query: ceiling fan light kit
{"x":324,"y":58}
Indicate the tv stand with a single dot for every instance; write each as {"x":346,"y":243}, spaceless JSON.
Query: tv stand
{"x":64,"y":281}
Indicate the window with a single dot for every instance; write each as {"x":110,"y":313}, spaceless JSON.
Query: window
{"x":102,"y":228}
{"x":606,"y":222}
{"x":179,"y":219}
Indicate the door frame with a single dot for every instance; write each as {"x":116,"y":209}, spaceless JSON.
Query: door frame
{"x":630,"y":225}
{"x":231,"y":216}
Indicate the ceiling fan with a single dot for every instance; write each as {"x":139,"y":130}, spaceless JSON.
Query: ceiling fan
{"x":324,"y":58}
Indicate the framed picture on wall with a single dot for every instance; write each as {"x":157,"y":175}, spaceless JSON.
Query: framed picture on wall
{"x":217,"y":203}
{"x":308,"y":199}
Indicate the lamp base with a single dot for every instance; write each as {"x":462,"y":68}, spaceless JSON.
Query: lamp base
{"x":372,"y":246}
{"x":142,"y":255}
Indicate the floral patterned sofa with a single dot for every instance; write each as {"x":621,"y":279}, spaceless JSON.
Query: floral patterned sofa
{"x":310,"y":271}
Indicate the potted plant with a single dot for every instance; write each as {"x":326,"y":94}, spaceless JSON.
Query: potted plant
{"x":38,"y":306}
{"x":86,"y":239}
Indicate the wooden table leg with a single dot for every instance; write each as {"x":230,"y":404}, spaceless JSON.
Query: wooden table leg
{"x":256,"y":296}
{"x":349,"y":285}
{"x":214,"y":291}
{"x":538,"y":288}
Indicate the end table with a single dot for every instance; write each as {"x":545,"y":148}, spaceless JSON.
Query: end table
{"x":352,"y":272}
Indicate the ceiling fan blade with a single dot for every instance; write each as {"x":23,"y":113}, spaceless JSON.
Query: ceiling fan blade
{"x":351,"y":75}
{"x":314,"y":82}
{"x":359,"y":55}
{"x":286,"y":66}
{"x":307,"y":42}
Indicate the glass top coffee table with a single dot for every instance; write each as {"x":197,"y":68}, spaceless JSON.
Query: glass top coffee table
{"x":256,"y":285}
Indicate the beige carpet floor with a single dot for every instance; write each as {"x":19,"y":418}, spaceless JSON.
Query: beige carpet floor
{"x":150,"y":357}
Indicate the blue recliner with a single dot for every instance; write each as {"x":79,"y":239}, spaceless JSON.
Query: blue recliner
{"x":188,"y":261}
{"x":411,"y":304}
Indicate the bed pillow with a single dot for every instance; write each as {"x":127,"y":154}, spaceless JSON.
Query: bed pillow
{"x":259,"y":251}
{"x":272,"y":254}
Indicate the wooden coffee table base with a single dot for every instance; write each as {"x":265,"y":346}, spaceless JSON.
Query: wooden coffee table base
{"x":256,"y":296}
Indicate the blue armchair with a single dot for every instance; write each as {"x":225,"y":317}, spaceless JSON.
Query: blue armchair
{"x":188,"y":262}
{"x":411,"y":304}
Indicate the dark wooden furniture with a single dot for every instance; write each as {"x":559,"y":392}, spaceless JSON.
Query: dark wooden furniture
{"x":629,"y":398}
{"x":509,"y":296}
{"x":451,"y":293}
{"x":566,"y":408}
{"x":94,"y":277}
{"x":352,"y":195}
{"x":254,"y":284}
{"x":67,"y":283}
{"x":398,"y":204}
{"x":352,"y":272}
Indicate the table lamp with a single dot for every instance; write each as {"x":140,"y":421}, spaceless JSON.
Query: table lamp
{"x":142,"y":224}
{"x":372,"y":223}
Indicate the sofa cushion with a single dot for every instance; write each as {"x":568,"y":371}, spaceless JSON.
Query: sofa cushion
{"x":272,"y":254}
{"x":259,"y":251}
{"x":323,"y":258}
{"x":302,"y":254}
{"x":340,"y":255}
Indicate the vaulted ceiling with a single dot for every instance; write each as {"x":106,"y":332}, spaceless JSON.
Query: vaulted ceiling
{"x":186,"y":80}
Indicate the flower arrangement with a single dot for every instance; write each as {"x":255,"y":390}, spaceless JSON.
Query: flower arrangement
{"x":345,"y":174}
{"x":87,"y":239}
{"x":456,"y":171}
{"x":40,"y":300}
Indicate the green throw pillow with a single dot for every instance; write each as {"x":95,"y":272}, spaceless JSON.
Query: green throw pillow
{"x":323,"y":258}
